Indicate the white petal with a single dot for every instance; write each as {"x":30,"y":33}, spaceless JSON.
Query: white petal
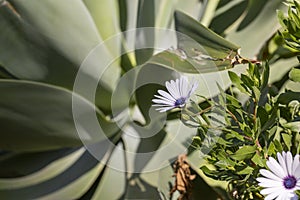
{"x":269,"y":174}
{"x":184,"y":87}
{"x":171,"y":87}
{"x":178,"y":86}
{"x":293,"y":196}
{"x":297,"y":172}
{"x":163,"y":98}
{"x":264,"y":182}
{"x":159,"y":101}
{"x":289,"y":162}
{"x":271,"y":190}
{"x":282,"y":161}
{"x":295,"y":165}
{"x":164,"y":109}
{"x":166,"y":95}
{"x":276,"y":168}
{"x":273,"y":195}
{"x":282,"y":196}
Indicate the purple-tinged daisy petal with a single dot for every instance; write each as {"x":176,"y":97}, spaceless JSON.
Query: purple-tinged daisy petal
{"x":177,"y":94}
{"x":282,"y":179}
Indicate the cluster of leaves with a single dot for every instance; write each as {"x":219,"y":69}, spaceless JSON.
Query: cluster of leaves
{"x":291,"y":25}
{"x":266,"y":123}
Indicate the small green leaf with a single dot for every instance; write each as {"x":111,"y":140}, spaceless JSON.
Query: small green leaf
{"x":258,"y":160}
{"x":236,"y":80}
{"x":262,"y":114}
{"x":244,"y":152}
{"x":287,"y":139}
{"x":293,"y":126}
{"x":288,"y":96}
{"x":246,"y":170}
{"x":295,"y":74}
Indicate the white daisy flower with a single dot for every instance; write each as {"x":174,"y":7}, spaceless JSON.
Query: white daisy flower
{"x":283,"y":179}
{"x":179,"y":91}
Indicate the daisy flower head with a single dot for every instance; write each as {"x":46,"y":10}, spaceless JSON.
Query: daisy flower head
{"x":177,"y":95}
{"x":283,"y":178}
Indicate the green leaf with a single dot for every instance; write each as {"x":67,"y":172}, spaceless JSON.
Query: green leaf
{"x":69,"y":28}
{"x":202,"y":46}
{"x":295,"y":74}
{"x":287,"y":139}
{"x":262,"y":115}
{"x":265,"y":76}
{"x":247,"y":170}
{"x":52,"y":52}
{"x":20,"y":48}
{"x":288,"y":96}
{"x":144,"y":36}
{"x":226,"y":18}
{"x":187,"y":25}
{"x":38,"y":117}
{"x":15,"y":165}
{"x":245,"y":152}
{"x":265,"y":21}
{"x":71,"y":175}
{"x":293,"y":126}
{"x":237,"y":81}
{"x":253,"y":10}
{"x":258,"y":160}
{"x":105,"y":17}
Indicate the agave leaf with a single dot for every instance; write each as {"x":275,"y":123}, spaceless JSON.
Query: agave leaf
{"x":205,"y":37}
{"x":79,"y":175}
{"x":36,"y":117}
{"x":53,"y":169}
{"x":145,"y":37}
{"x":253,"y":9}
{"x":105,"y":16}
{"x":259,"y":30}
{"x":69,"y":28}
{"x":15,"y":165}
{"x":17,"y":48}
{"x":204,"y":47}
{"x":228,"y":16}
{"x":208,"y":12}
{"x":113,"y":177}
{"x":39,"y":58}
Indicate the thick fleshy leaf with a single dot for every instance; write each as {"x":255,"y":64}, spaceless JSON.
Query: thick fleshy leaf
{"x":37,"y":117}
{"x":69,"y":28}
{"x":205,"y":37}
{"x":145,"y":37}
{"x":21,"y":164}
{"x":249,"y":38}
{"x":113,"y":177}
{"x":18,"y":48}
{"x":62,"y":181}
{"x":201,"y":46}
{"x":105,"y":17}
{"x":253,"y":9}
{"x":226,"y":18}
{"x":52,"y":52}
